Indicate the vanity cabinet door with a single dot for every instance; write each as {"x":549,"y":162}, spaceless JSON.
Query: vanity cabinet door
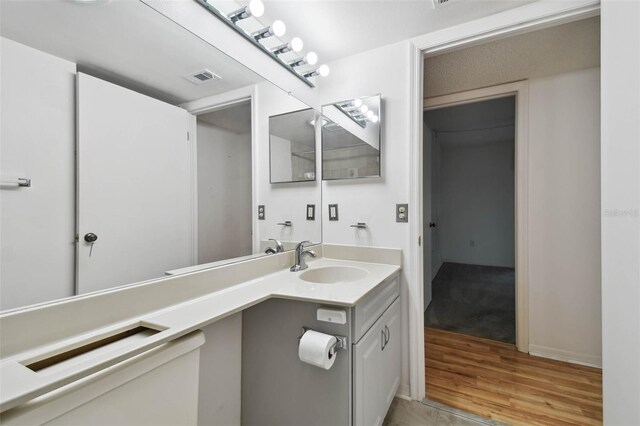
{"x":391,"y":362}
{"x":376,"y":369}
{"x":367,"y":373}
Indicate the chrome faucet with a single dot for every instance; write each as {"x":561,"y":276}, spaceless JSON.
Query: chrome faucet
{"x":301,"y":265}
{"x":279,"y":247}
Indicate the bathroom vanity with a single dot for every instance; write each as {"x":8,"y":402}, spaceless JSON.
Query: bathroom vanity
{"x":79,"y":357}
{"x":279,"y":389}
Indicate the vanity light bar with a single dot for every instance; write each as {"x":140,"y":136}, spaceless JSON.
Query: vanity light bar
{"x":278,"y":29}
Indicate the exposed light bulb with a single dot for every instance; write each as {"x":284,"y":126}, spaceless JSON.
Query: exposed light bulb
{"x":369,"y":114}
{"x":364,"y":109}
{"x":278,"y":28}
{"x":311,"y":58}
{"x":374,"y":119}
{"x":357,"y":103}
{"x":256,"y":8}
{"x":296,"y":44}
{"x":324,"y":70}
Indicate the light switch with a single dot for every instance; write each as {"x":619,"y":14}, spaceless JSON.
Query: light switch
{"x":333,"y":212}
{"x":402,"y":212}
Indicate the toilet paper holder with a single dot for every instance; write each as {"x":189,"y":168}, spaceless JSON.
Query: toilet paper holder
{"x":341,"y":341}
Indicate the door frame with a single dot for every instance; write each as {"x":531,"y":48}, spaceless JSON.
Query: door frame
{"x":527,"y":18}
{"x":520,"y":90}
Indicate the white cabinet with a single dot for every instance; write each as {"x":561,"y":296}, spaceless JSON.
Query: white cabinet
{"x":376,"y":368}
{"x":157,"y":387}
{"x":391,"y":362}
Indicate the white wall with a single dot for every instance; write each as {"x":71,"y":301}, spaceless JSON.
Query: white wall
{"x":564,"y":216}
{"x":38,"y":142}
{"x":283,"y":201}
{"x":373,"y":200}
{"x":224,"y":193}
{"x":476,"y":200}
{"x":621,"y":211}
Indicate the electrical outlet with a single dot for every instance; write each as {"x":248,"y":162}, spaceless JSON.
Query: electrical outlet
{"x":311,"y":212}
{"x":333,"y":212}
{"x":261,"y":214}
{"x":402,"y":212}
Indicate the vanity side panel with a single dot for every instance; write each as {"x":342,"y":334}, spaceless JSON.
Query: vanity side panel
{"x":278,"y":388}
{"x":221,"y":373}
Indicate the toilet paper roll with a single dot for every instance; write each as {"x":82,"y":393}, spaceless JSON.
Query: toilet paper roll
{"x":314,"y":349}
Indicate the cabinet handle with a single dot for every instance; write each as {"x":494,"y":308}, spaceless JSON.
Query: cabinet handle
{"x":383,"y":339}
{"x":387,"y":335}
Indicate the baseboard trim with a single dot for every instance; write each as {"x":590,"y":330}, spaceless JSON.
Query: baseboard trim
{"x":404,"y":392}
{"x":566,"y":356}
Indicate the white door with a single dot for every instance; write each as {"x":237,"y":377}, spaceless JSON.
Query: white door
{"x":134,"y":190}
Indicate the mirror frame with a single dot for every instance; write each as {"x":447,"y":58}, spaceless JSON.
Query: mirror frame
{"x":380,"y":115}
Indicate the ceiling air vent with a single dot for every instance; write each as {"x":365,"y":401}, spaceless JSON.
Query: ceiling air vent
{"x":202,"y":76}
{"x":441,"y":3}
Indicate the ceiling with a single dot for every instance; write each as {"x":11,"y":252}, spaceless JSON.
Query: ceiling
{"x":473,"y":123}
{"x":125,"y":42}
{"x":338,"y":28}
{"x":235,"y":119}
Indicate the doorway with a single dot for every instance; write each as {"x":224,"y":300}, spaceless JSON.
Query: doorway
{"x":224,"y":156}
{"x":469,"y":156}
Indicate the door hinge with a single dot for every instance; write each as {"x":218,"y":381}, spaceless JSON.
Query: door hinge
{"x":419,"y":240}
{"x":188,"y":136}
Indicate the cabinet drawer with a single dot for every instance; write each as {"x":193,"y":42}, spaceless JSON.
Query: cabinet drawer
{"x":373,"y":305}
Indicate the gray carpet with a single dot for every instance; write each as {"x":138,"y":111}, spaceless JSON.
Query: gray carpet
{"x":475,"y":300}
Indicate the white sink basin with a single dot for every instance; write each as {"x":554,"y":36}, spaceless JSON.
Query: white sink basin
{"x":333,"y":274}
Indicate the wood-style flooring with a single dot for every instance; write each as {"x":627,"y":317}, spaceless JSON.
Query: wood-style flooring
{"x":494,"y":380}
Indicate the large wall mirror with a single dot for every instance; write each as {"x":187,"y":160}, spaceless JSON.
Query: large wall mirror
{"x":351,"y":138}
{"x":123,"y":157}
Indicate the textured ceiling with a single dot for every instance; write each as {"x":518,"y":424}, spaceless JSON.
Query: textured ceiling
{"x":569,"y":47}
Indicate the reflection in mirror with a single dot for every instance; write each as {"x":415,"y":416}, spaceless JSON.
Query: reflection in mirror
{"x":141,"y":151}
{"x":285,"y":215}
{"x":351,"y":139}
{"x":292,"y":146}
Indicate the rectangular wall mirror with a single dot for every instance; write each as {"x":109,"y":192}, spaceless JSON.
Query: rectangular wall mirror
{"x":141,"y":164}
{"x":292,"y":146}
{"x":351,"y":138}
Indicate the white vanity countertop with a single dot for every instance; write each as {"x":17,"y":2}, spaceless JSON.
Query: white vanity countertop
{"x":283,"y":284}
{"x":20,"y":384}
